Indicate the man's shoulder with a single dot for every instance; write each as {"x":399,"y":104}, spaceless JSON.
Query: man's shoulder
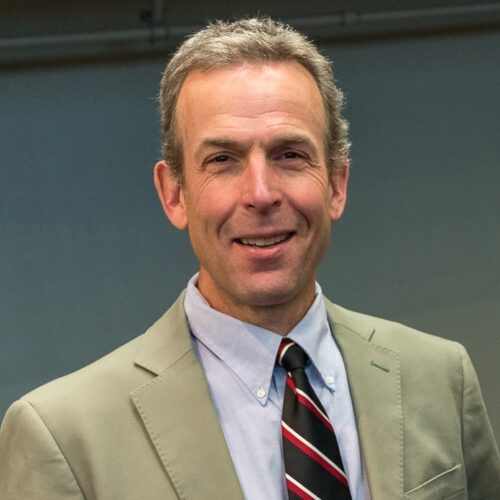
{"x":388,"y":334}
{"x":109,"y":375}
{"x":425,"y":363}
{"x":115,"y":375}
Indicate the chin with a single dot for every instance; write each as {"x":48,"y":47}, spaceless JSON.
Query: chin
{"x":271,"y":295}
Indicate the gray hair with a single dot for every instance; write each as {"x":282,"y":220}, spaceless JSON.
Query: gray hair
{"x":255,"y":40}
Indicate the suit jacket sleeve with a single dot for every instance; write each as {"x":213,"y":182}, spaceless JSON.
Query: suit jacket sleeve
{"x":31,"y":463}
{"x":482,"y":462}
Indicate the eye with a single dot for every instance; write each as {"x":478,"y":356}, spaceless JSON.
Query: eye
{"x":219,"y":159}
{"x":220,"y":163}
{"x":291,"y":155}
{"x":292,"y":159}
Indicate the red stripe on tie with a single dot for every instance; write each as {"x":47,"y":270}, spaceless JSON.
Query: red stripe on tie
{"x":311,"y":453}
{"x":305,"y":402}
{"x":299,"y":492}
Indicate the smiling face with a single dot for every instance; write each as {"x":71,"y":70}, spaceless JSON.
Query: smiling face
{"x":257,"y":198}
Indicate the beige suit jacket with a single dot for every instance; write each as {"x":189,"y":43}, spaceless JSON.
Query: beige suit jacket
{"x":139,"y":423}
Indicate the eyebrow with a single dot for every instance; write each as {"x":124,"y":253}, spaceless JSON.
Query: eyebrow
{"x":239,"y":146}
{"x":219,"y":142}
{"x":280,"y":141}
{"x":222,"y":142}
{"x":291,"y":139}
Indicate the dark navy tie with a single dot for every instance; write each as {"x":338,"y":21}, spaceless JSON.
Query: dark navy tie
{"x":313,"y":466}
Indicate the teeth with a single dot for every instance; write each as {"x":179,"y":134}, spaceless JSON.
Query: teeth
{"x":264,"y":242}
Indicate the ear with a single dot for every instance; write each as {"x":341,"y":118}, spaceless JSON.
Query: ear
{"x":171,"y":195}
{"x":339,"y":180}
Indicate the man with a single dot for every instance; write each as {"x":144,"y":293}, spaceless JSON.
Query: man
{"x":256,"y":169}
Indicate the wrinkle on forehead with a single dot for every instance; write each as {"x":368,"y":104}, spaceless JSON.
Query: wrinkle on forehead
{"x":268,"y":80}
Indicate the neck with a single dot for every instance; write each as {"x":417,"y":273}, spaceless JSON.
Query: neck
{"x":279,"y":317}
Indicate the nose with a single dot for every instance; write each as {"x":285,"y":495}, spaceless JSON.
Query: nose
{"x":261,"y":188}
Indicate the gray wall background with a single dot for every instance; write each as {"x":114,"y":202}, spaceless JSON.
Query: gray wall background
{"x":87,"y":260}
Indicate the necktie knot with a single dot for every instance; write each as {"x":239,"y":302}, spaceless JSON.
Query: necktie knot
{"x":291,"y":356}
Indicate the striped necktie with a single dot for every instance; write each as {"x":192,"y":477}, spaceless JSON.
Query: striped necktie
{"x":313,"y":466}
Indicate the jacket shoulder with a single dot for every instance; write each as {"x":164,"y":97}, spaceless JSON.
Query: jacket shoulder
{"x":122,"y":370}
{"x":112,"y":373}
{"x":391,"y":335}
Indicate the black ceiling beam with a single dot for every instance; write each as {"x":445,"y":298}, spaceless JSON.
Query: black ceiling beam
{"x":161,"y":38}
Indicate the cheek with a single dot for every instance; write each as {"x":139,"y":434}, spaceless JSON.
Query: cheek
{"x":312,"y":198}
{"x":207,"y":210}
{"x":207,"y":191}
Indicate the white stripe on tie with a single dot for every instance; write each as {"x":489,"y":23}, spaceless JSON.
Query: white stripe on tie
{"x":303,"y":488}
{"x":313,"y":448}
{"x":306,"y":396}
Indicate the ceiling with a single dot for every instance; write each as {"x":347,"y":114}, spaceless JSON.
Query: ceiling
{"x":35,"y":30}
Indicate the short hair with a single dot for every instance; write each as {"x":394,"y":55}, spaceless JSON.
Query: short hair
{"x":253,"y":40}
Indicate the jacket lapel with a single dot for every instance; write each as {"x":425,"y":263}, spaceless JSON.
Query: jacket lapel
{"x":179,"y":415}
{"x":374,"y":381}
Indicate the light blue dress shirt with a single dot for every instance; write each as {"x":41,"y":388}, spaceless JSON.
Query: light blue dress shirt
{"x":248,"y":390}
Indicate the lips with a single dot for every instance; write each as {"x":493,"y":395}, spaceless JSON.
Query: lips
{"x":263,"y":242}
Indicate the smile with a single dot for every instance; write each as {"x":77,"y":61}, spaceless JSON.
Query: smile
{"x":264,"y":242}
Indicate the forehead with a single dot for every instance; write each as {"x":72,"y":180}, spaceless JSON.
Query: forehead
{"x":250,"y":95}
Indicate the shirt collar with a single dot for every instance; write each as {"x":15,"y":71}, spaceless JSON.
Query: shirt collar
{"x":250,"y":351}
{"x":313,"y":334}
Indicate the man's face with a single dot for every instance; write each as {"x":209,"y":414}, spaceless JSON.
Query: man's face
{"x":257,"y":198}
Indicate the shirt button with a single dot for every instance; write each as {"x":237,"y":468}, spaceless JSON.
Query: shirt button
{"x":261,"y":392}
{"x":329,"y":379}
